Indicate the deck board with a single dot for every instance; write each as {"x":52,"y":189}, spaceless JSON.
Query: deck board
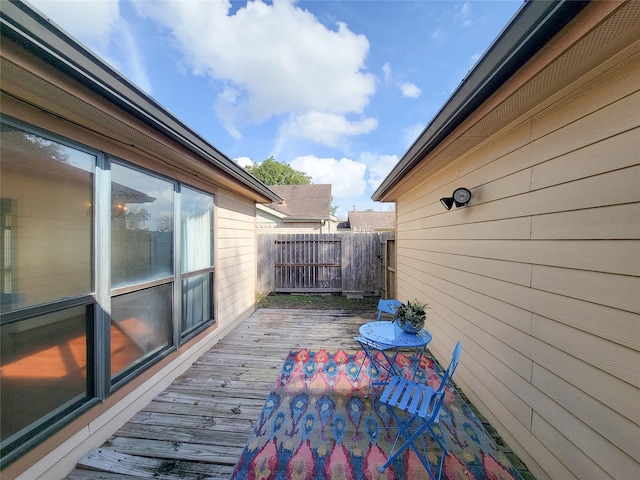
{"x":198,"y":426}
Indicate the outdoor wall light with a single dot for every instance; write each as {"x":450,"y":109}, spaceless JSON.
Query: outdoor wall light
{"x":460,"y":197}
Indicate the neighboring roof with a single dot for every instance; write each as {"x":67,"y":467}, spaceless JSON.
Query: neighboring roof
{"x":270,"y":211}
{"x":529,"y":30}
{"x":29,"y":28}
{"x":362,"y":220}
{"x":303,"y":201}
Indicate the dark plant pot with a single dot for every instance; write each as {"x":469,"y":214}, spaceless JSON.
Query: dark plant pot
{"x":407,"y":327}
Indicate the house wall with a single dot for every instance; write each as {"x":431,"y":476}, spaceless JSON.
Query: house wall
{"x":235,"y":257}
{"x":60,"y":113}
{"x":372,"y":229}
{"x":539,"y":275}
{"x":267,"y":224}
{"x":271,"y":224}
{"x":290,"y":227}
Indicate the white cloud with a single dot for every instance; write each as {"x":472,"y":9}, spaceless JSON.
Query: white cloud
{"x":473,"y":60}
{"x":411,"y":134}
{"x":274,"y":59}
{"x":325,"y":128}
{"x":410,"y":90}
{"x":92,"y":22}
{"x":378,"y":167}
{"x":439,"y":35}
{"x":166,"y":195}
{"x":99,"y":26}
{"x":134,"y":62}
{"x":386,"y":72}
{"x":244,"y":161}
{"x":345,"y":175}
{"x":465,"y":14}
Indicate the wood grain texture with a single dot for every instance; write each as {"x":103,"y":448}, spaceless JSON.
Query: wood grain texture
{"x":198,"y":426}
{"x":317,"y":263}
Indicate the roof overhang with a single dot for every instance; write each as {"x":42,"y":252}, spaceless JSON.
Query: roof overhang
{"x":28,"y":28}
{"x":535,"y":23}
{"x":290,"y":219}
{"x":270,"y":211}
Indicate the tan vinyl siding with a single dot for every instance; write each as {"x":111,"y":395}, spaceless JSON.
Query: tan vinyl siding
{"x":539,"y":275}
{"x":42,"y":97}
{"x":235,"y":254}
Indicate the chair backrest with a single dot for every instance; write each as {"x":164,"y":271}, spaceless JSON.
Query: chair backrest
{"x":417,"y":399}
{"x":387,"y":306}
{"x":434,"y":414}
{"x":448,"y":373}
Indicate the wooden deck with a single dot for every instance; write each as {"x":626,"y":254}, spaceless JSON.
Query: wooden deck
{"x":197,"y":428}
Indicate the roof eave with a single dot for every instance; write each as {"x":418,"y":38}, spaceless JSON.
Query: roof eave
{"x":307,"y":219}
{"x":535,"y":23}
{"x":28,"y":27}
{"x":270,"y":211}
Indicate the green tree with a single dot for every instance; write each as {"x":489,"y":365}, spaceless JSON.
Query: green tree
{"x":166,"y":223}
{"x":272,"y":172}
{"x":24,"y":145}
{"x":333,"y":207}
{"x":137,"y":219}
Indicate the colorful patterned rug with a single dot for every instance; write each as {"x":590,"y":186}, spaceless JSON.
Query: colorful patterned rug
{"x":318,"y":423}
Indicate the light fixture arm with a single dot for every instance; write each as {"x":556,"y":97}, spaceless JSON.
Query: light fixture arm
{"x":460,"y":197}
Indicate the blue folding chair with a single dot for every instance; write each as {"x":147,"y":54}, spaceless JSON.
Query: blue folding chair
{"x":387,"y":306}
{"x":448,"y":373}
{"x":423,"y":404}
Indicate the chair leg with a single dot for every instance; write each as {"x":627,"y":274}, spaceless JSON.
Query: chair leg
{"x":372,"y":364}
{"x":437,"y":439}
{"x":409,"y":442}
{"x":364,"y":359}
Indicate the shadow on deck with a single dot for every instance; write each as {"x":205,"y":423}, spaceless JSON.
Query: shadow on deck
{"x":198,"y":426}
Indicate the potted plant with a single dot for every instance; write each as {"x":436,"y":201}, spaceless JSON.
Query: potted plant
{"x":411,"y":316}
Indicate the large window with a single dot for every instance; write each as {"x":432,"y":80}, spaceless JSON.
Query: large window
{"x":46,"y":252}
{"x":93,"y":285}
{"x":196,"y":225}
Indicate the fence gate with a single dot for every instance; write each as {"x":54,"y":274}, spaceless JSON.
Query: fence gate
{"x":308,"y":263}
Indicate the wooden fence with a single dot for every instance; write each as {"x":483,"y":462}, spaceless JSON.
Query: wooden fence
{"x":319,"y":263}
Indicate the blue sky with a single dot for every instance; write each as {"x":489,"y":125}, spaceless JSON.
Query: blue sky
{"x":337,"y":89}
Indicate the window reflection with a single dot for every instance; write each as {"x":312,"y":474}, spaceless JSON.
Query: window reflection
{"x":46,"y":219}
{"x":197,"y":301}
{"x":141,"y":227}
{"x":197,"y":230}
{"x":196,"y":225}
{"x":44,"y":368}
{"x":140,"y":326}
